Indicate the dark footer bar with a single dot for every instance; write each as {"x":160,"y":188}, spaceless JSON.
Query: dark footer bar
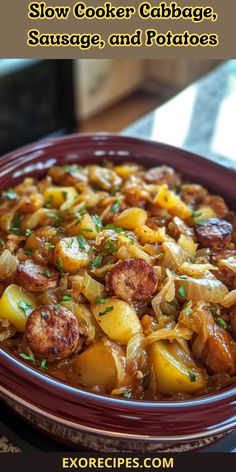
{"x":116,"y":462}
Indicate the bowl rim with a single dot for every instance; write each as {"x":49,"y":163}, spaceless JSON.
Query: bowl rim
{"x":45,"y":381}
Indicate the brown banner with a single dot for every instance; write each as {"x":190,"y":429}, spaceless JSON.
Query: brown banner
{"x":206,"y":29}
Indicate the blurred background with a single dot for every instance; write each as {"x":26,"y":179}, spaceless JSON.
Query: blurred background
{"x":39,"y":98}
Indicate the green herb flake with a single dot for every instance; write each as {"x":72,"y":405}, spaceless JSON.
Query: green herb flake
{"x":43,"y":364}
{"x":199,"y":222}
{"x":10,"y":194}
{"x":50,"y":246}
{"x":196,"y":213}
{"x":15,"y":225}
{"x":192,"y":376}
{"x":44,"y":315}
{"x":64,"y":195}
{"x":67,"y":297}
{"x":87,"y":230}
{"x":222,"y":323}
{"x":101,"y":300}
{"x":182,"y":290}
{"x":188,"y":311}
{"x":127,"y":394}
{"x":116,"y":206}
{"x":26,"y":307}
{"x":56,"y":307}
{"x":59,"y":264}
{"x":107,"y":310}
{"x":110,"y":246}
{"x":114,"y":191}
{"x":97,"y":221}
{"x":27,"y":357}
{"x":96,"y":262}
{"x":28,"y":252}
{"x":82,"y":242}
{"x":28,"y":232}
{"x":47,"y":273}
{"x":71,"y":168}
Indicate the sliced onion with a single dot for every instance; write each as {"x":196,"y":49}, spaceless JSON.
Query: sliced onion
{"x":229,"y":300}
{"x":198,"y":318}
{"x":188,"y":244}
{"x":8,"y":265}
{"x":229,"y":263}
{"x":179,"y":331}
{"x":208,"y":289}
{"x":196,"y":270}
{"x":174,"y":255}
{"x":166,"y":294}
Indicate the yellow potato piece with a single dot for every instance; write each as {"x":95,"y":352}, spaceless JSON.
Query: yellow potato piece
{"x":68,"y":257}
{"x":16,"y":304}
{"x":117,"y":319}
{"x":126,"y":170}
{"x":204,"y":213}
{"x":131,"y":218}
{"x":58,"y":196}
{"x":85,"y":226}
{"x":147,"y":235}
{"x":169,"y":201}
{"x":99,"y":365}
{"x":172,"y":375}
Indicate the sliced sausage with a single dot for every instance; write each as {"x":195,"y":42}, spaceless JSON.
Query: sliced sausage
{"x":219,"y":353}
{"x":132,"y":280}
{"x":214,"y":233}
{"x":67,"y":175}
{"x":36,"y":278}
{"x":52,"y":333}
{"x":224,"y":274}
{"x":163,"y":175}
{"x":193,"y":194}
{"x":232,"y":318}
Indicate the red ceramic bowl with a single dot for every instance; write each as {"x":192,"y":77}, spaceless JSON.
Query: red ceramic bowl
{"x":87,"y":420}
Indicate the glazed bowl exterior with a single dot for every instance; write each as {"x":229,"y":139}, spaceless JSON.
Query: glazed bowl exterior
{"x":78,"y":417}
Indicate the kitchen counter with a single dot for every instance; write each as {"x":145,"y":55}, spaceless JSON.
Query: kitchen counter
{"x":200,"y":119}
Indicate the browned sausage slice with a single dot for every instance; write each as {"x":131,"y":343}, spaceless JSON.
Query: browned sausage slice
{"x":214,"y":232}
{"x":132,"y":280}
{"x":52,"y":333}
{"x":232,"y":317}
{"x":219,"y":353}
{"x":36,"y":278}
{"x":163,"y":175}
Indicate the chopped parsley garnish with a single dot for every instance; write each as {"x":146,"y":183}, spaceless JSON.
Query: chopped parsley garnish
{"x":27,"y":357}
{"x":115,"y":207}
{"x":199,"y":222}
{"x":28,"y":252}
{"x":10,"y":194}
{"x":96,"y":262}
{"x":182,"y":290}
{"x":44,"y":315}
{"x":50,"y":245}
{"x":87,"y":230}
{"x":47,"y":273}
{"x":117,"y":229}
{"x":28,"y":232}
{"x":196,"y":213}
{"x":222,"y":323}
{"x":67,"y":297}
{"x":97,"y":221}
{"x":64,"y":194}
{"x":43,"y":364}
{"x":71,"y":168}
{"x":107,"y":310}
{"x":101,"y":300}
{"x":192,"y":376}
{"x":59,"y":264}
{"x":127,"y":394}
{"x":188,"y":311}
{"x":15,"y":225}
{"x":110,"y":246}
{"x":54,"y":216}
{"x":26,"y":307}
{"x":114,"y":191}
{"x":82,"y":242}
{"x":56,"y":307}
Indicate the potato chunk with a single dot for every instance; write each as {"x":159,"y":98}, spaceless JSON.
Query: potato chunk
{"x":131,"y":218}
{"x":59,"y":196}
{"x":117,"y":319}
{"x":100,"y":365}
{"x":173,"y":375}
{"x":169,"y":201}
{"x":16,"y":304}
{"x":68,"y":256}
